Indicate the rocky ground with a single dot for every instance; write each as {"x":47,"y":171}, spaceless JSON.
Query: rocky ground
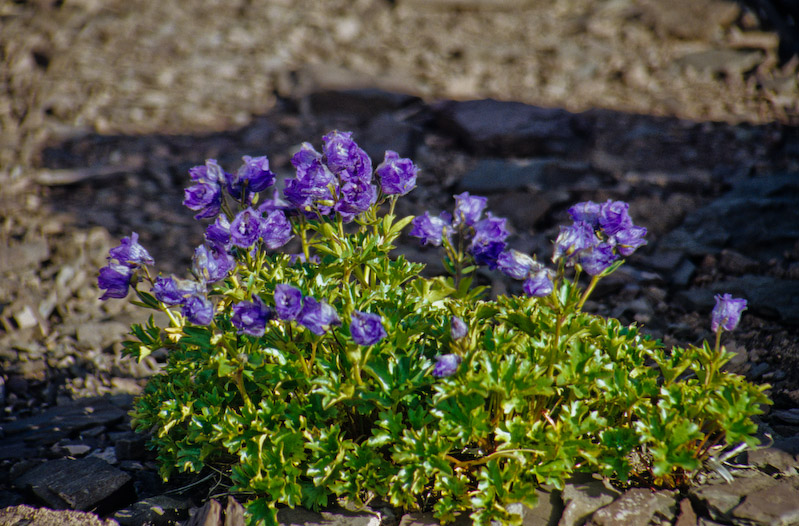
{"x":687,"y":112}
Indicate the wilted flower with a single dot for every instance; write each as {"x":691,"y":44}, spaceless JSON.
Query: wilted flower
{"x":457,"y":328}
{"x":275,"y":229}
{"x":288,"y":302}
{"x":245,"y":229}
{"x":130,"y":253}
{"x":317,"y":316}
{"x":446,"y":365}
{"x":539,"y":284}
{"x":397,"y":175}
{"x":727,"y":312}
{"x":366,"y":328}
{"x":250,"y":317}
{"x":429,"y":229}
{"x":115,"y":280}
{"x":468,"y":209}
{"x":198,"y":310}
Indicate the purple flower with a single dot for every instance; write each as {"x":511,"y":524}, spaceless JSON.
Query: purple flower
{"x":366,"y":328}
{"x":468,"y":209}
{"x":218,"y":233}
{"x":613,"y":217}
{"x":211,"y":263}
{"x":205,"y":198}
{"x":628,"y":239}
{"x":250,"y":317}
{"x":245,"y":229}
{"x":288,"y":302}
{"x":254,"y":176}
{"x":515,"y":264}
{"x":317,"y":316}
{"x":457,"y":328}
{"x":587,"y":212}
{"x":574,"y":239}
{"x":115,"y":280}
{"x":355,"y":197}
{"x":275,"y":203}
{"x":597,"y":259}
{"x":210,"y":172}
{"x":429,"y":229}
{"x":539,"y":284}
{"x":489,"y":240}
{"x":275,"y":229}
{"x":446,"y":365}
{"x":397,"y":175}
{"x":171,"y":291}
{"x":198,"y":310}
{"x":345,"y":158}
{"x":314,"y":182}
{"x":727,"y":312}
{"x":130,"y":253}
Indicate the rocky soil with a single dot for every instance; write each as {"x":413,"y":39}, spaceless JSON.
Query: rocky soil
{"x":687,"y":111}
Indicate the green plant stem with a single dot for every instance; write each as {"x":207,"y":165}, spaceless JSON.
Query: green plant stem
{"x":588,"y":291}
{"x":239,"y":378}
{"x":718,"y":339}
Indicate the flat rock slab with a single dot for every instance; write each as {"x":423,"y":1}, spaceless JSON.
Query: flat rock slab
{"x":637,"y":507}
{"x":80,"y":484}
{"x":342,"y":517}
{"x":583,"y":497}
{"x":28,"y":516}
{"x":721,"y":499}
{"x":777,"y":505}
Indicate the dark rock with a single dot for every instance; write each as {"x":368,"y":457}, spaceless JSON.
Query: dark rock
{"x":492,"y":175}
{"x":789,"y":416}
{"x":721,"y":498}
{"x":773,"y":460}
{"x":636,"y":507}
{"x":334,"y":517}
{"x":777,"y":505}
{"x":387,"y":132}
{"x":362,"y":103}
{"x":86,"y":483}
{"x":155,"y":511}
{"x":770,"y":297}
{"x":26,"y":515}
{"x":427,"y":519}
{"x":131,"y":448}
{"x":495,"y":127}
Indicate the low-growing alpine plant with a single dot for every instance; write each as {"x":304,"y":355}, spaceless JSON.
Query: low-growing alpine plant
{"x":341,"y":372}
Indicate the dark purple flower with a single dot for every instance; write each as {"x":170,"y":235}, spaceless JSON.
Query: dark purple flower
{"x":345,"y":158}
{"x":366,"y":328}
{"x":397,"y":175}
{"x":218,"y":233}
{"x":727,"y":312}
{"x":628,"y":239}
{"x":355,"y":197}
{"x":429,"y":229}
{"x":597,"y":259}
{"x":250,"y":317}
{"x":115,"y":280}
{"x":288,"y":302}
{"x":171,"y":291}
{"x":245,"y":229}
{"x":314,"y":183}
{"x":468,"y":209}
{"x":254,"y":175}
{"x":574,"y":239}
{"x":587,"y":212}
{"x":317,"y":316}
{"x":489,"y":240}
{"x":211,"y":263}
{"x":205,"y":198}
{"x":275,"y":229}
{"x":539,"y":284}
{"x":515,"y":264}
{"x":275,"y":203}
{"x":198,"y":310}
{"x":210,"y":172}
{"x":130,"y":253}
{"x":457,"y":328}
{"x":446,"y":365}
{"x":613,"y":217}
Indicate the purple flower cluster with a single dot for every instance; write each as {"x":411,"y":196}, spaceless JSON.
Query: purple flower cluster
{"x":727,"y":312}
{"x":205,"y":195}
{"x":600,"y":235}
{"x":339,"y":179}
{"x":250,"y":317}
{"x":115,"y":277}
{"x":537,"y":278}
{"x":486,"y":234}
{"x":316,"y":316}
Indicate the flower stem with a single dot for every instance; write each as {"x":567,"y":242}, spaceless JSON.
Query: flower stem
{"x":588,"y":291}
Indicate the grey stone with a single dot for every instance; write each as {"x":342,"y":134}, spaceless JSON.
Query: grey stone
{"x":687,"y":516}
{"x":80,"y":484}
{"x":721,"y":498}
{"x":777,"y":505}
{"x":27,"y":254}
{"x":636,"y":507}
{"x":161,"y":510}
{"x":584,"y":496}
{"x":360,"y":102}
{"x":789,"y":416}
{"x":29,"y":516}
{"x":546,"y":512}
{"x":495,"y":127}
{"x":336,"y":517}
{"x":770,"y":297}
{"x":773,"y":459}
{"x":387,"y":132}
{"x":729,"y":61}
{"x":492,"y":175}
